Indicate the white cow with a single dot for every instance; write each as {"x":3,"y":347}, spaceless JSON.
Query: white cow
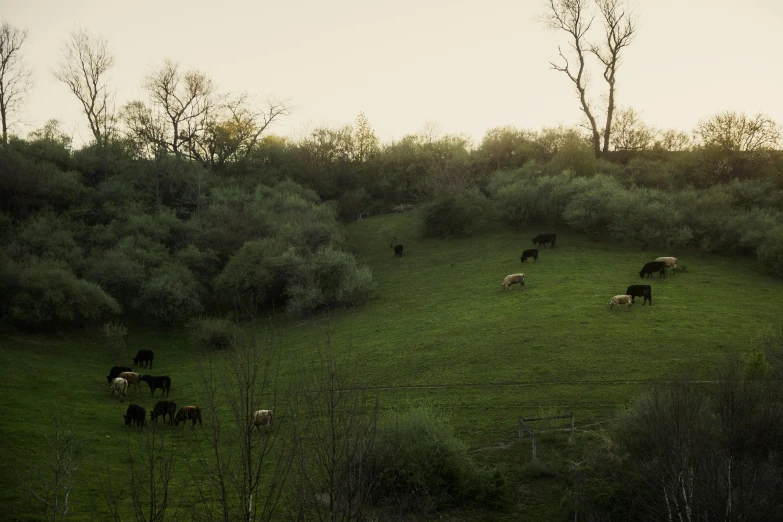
{"x":513,"y":279}
{"x":621,"y":300}
{"x":119,"y":387}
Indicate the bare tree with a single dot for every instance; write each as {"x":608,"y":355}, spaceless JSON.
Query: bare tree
{"x":571,"y":16}
{"x":15,"y":76}
{"x":619,"y":32}
{"x":365,"y":139}
{"x":631,"y":133}
{"x":233,"y":129}
{"x":672,"y":139}
{"x":152,"y":460}
{"x":181,"y":103}
{"x":84,"y":67}
{"x":736,"y":132}
{"x":246,"y":468}
{"x":334,"y":429}
{"x":52,"y":484}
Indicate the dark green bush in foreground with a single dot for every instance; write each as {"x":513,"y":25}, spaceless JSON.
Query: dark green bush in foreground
{"x":421,"y":466}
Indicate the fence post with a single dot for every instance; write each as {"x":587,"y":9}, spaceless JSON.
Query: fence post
{"x":521,"y":431}
{"x":534,"y":446}
{"x":572,"y":423}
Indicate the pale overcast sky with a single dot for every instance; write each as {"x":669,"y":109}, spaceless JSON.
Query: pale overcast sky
{"x":467,"y":65}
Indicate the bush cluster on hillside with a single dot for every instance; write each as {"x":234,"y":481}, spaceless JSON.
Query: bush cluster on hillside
{"x":160,"y":239}
{"x":739,"y":217}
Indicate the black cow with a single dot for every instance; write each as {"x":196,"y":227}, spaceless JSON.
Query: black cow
{"x":163,"y":408}
{"x":652,"y":267}
{"x":135,"y":414}
{"x":116,"y":371}
{"x":530,"y":252}
{"x":640,"y":291}
{"x":143,"y":357}
{"x":398,"y":250}
{"x":543,"y":239}
{"x":163,"y":382}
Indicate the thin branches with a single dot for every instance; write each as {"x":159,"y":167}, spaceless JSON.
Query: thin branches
{"x":15,"y":77}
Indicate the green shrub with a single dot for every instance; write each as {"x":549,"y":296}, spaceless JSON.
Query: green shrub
{"x":171,"y":295}
{"x":421,"y":466}
{"x":50,"y":296}
{"x":576,"y":156}
{"x":121,"y":276}
{"x":459,"y":215}
{"x":770,"y":251}
{"x":329,"y":279}
{"x":212,"y":333}
{"x":352,"y":203}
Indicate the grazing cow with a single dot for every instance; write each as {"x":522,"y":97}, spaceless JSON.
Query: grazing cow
{"x":163,"y":408}
{"x":530,"y":252}
{"x":135,"y":414}
{"x":143,"y":357}
{"x":186,"y":413}
{"x":671,"y":262}
{"x":119,"y":387}
{"x":398,"y":250}
{"x":620,"y":300}
{"x":513,"y":279}
{"x":116,"y":371}
{"x":132,"y":378}
{"x":163,"y":382}
{"x":652,"y":267}
{"x":640,"y":291}
{"x":543,"y":239}
{"x":262,"y":418}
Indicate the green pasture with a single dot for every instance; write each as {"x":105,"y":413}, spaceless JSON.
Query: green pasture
{"x":441,"y":331}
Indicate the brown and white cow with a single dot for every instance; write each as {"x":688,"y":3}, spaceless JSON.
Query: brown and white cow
{"x":262,"y":418}
{"x":132,"y":378}
{"x":671,"y":262}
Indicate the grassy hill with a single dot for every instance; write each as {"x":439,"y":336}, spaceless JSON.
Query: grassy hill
{"x":440,"y":331}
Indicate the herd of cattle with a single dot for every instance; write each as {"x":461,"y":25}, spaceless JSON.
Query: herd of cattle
{"x":121,"y":377}
{"x":631,"y":293}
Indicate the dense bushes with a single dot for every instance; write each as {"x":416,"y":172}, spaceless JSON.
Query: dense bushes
{"x":329,"y":279}
{"x":740,"y":217}
{"x":171,"y":294}
{"x":421,"y":466}
{"x":687,"y":449}
{"x":49,"y":295}
{"x":456,"y":215}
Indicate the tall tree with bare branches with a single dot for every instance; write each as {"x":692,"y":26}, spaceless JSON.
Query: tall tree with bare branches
{"x":574,"y":18}
{"x":232,"y":129}
{"x":15,"y":76}
{"x":181,"y":102}
{"x":619,"y":32}
{"x":52,"y":484}
{"x":84,"y":67}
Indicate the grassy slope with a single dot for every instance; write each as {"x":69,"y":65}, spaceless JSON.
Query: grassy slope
{"x":441,"y":330}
